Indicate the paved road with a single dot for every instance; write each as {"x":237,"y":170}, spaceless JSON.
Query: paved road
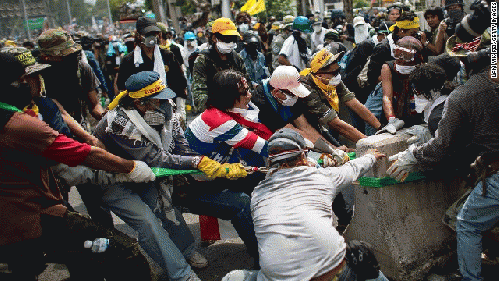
{"x":225,"y":255}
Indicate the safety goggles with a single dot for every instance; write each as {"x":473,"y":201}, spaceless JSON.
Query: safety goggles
{"x":401,"y":53}
{"x":228,"y":38}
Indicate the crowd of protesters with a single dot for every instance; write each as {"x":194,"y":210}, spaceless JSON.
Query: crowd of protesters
{"x":266,"y":111}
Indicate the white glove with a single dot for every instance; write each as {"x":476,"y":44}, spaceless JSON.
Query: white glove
{"x":420,"y":134}
{"x":394,"y":124}
{"x":404,"y":164}
{"x":140,"y":173}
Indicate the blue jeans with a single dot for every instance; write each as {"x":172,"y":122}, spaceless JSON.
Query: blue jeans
{"x":161,"y":239}
{"x":479,"y":214}
{"x":224,"y":204}
{"x":375,"y":104}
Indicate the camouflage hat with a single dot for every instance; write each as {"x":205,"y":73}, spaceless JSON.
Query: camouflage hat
{"x":57,"y":43}
{"x":25,"y":57}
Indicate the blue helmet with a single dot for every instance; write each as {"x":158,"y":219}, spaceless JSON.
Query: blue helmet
{"x":189,"y":35}
{"x":302,"y":24}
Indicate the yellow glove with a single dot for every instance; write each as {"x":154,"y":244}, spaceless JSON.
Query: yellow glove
{"x":235,"y":170}
{"x":213,"y":169}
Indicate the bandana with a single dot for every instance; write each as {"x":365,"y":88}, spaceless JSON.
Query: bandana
{"x":330,"y":93}
{"x":405,"y":24}
{"x":149,"y":90}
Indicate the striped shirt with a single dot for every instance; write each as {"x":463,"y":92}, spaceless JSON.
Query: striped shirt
{"x":216,"y":134}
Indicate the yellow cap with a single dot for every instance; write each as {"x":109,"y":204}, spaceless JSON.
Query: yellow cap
{"x":224,"y":26}
{"x":322,"y":59}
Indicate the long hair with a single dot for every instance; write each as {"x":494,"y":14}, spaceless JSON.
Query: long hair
{"x":226,"y":89}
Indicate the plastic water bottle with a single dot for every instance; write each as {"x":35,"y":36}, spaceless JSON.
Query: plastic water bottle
{"x":99,"y":245}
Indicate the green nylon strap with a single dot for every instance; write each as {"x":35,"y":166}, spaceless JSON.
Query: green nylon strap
{"x":164,"y":172}
{"x":9,"y":107}
{"x":386,"y":181}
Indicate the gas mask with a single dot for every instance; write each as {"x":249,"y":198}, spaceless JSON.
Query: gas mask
{"x":335,"y":80}
{"x":150,"y":41}
{"x":226,"y":48}
{"x":290,"y":100}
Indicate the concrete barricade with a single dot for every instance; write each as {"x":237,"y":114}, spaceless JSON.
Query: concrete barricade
{"x":403,"y":222}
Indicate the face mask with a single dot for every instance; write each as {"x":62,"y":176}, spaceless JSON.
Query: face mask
{"x":317,"y":28}
{"x":226,"y":48}
{"x":243,"y":27}
{"x":303,"y":36}
{"x":150,"y":41}
{"x":404,"y":69}
{"x":154,"y":118}
{"x":20,"y":95}
{"x":335,"y":80}
{"x":290,"y":100}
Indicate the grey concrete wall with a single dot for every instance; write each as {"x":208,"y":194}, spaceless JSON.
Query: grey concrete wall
{"x":403,"y":222}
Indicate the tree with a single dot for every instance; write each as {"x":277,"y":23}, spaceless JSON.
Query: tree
{"x":360,"y":4}
{"x":348,"y":9}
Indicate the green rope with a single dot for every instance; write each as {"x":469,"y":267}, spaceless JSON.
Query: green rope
{"x":386,"y":181}
{"x":165,"y":172}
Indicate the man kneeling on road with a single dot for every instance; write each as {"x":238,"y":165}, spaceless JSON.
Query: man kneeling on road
{"x":292,"y":213}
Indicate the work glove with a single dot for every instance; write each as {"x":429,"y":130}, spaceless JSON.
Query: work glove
{"x":140,"y":173}
{"x":394,"y":124}
{"x":404,"y":164}
{"x":334,"y":159}
{"x":420,"y":134}
{"x":214,"y":169}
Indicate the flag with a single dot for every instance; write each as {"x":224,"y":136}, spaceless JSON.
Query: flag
{"x":258,"y":8}
{"x":254,"y":7}
{"x":248,"y":5}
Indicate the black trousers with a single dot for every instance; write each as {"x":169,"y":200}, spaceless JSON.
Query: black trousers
{"x":62,"y":242}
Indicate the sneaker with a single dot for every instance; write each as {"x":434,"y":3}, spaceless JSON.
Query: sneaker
{"x":193,"y":277}
{"x":198,"y":261}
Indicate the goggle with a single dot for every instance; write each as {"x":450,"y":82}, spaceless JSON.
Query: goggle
{"x":401,"y":53}
{"x":228,"y":38}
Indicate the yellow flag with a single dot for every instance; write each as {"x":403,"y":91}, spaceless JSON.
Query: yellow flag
{"x":248,"y":5}
{"x":257,"y":8}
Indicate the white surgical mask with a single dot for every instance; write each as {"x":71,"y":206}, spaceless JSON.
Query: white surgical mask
{"x":317,"y":28}
{"x":303,"y":36}
{"x":243,"y":27}
{"x":226,"y":48}
{"x":404,"y":69}
{"x":290,"y":100}
{"x":335,"y":80}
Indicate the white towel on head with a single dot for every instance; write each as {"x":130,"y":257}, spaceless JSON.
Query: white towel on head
{"x":159,"y":66}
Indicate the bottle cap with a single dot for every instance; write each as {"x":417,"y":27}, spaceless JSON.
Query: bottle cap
{"x":87,"y":244}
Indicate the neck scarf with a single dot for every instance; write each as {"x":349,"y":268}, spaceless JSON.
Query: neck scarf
{"x":330,"y":93}
{"x":248,"y":121}
{"x":159,"y":66}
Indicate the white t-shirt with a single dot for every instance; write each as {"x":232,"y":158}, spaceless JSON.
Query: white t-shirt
{"x":292,"y":214}
{"x":290,"y":50}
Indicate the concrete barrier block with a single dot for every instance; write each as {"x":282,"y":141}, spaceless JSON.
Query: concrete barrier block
{"x":403,"y":222}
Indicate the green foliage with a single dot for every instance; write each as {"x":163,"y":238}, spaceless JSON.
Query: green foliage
{"x":360,"y":4}
{"x":279,"y":8}
{"x":100,"y":8}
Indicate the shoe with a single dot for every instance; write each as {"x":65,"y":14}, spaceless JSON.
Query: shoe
{"x":198,"y":261}
{"x":193,"y":277}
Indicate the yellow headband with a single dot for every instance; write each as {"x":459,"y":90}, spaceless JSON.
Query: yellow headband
{"x":406,"y":24}
{"x":149,"y":90}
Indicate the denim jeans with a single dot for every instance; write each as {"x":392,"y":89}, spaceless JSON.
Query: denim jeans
{"x":225,"y":204}
{"x":479,"y":214}
{"x":375,"y":104}
{"x":163,"y":240}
